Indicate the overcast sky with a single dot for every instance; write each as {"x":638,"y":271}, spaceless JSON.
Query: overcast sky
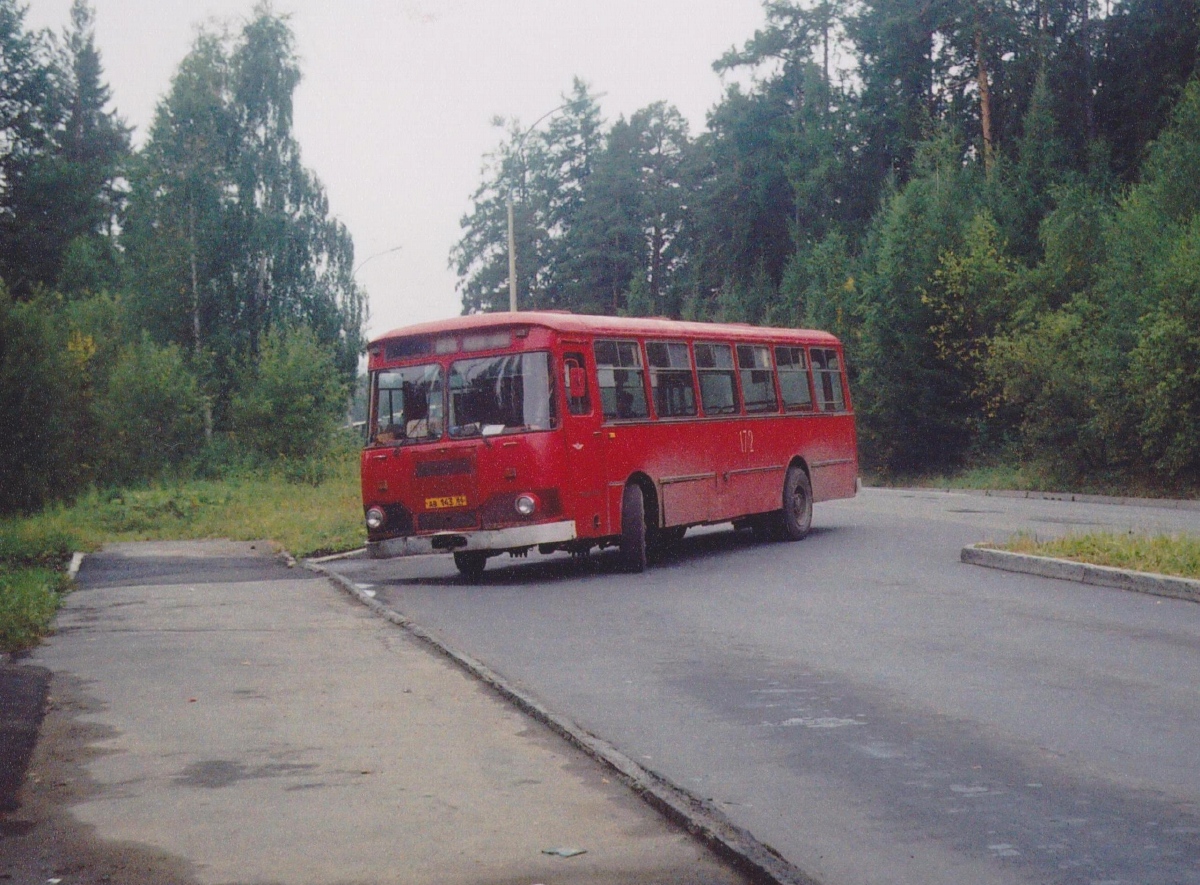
{"x":394,"y":112}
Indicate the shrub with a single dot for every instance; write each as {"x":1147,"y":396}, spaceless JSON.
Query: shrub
{"x":291,"y":403}
{"x":150,"y":414}
{"x":36,"y":396}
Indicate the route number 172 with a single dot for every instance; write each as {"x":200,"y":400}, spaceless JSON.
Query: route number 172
{"x":746,"y":441}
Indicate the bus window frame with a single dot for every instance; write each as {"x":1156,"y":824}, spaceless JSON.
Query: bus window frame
{"x":736,"y":408}
{"x":639,"y":369}
{"x":652,"y":373}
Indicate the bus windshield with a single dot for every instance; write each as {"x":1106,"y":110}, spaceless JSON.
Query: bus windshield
{"x":408,"y":404}
{"x":502,"y":394}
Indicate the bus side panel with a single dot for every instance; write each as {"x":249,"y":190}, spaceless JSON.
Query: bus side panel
{"x":751,"y":461}
{"x":834,"y":460}
{"x":676,"y":456}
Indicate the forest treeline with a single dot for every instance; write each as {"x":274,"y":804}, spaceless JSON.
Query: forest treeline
{"x":993,"y":202}
{"x":186,"y":306}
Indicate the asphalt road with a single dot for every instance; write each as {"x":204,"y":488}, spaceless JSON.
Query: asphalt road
{"x":861,"y":701}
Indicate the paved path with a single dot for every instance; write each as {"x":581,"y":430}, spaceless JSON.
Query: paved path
{"x":216,"y":717}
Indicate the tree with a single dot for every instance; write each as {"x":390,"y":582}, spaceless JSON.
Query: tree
{"x":36,"y":457}
{"x":30,"y":109}
{"x":912,"y":407}
{"x":1149,"y":54}
{"x":62,"y":184}
{"x":224,"y":214}
{"x":542,"y":174}
{"x":291,"y":400}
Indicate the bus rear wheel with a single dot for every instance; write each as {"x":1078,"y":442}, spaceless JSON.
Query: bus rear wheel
{"x":470,"y":564}
{"x":795,"y":519}
{"x":633,"y":529}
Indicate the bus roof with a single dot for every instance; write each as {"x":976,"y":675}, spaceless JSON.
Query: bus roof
{"x":587,"y":324}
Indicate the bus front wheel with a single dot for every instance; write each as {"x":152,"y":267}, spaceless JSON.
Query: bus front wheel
{"x":795,"y":519}
{"x":470,"y":564}
{"x":633,"y":529}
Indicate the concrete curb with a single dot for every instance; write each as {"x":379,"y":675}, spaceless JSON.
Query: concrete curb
{"x":73,"y":568}
{"x":735,"y":844}
{"x":1084,"y":573}
{"x":1076,"y":497}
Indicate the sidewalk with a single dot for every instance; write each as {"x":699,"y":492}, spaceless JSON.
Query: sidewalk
{"x":216,"y":717}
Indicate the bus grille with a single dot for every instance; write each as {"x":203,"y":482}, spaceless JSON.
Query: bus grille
{"x":452,"y":467}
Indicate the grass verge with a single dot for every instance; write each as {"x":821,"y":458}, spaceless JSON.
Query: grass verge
{"x":305,"y":518}
{"x":1177,"y":555}
{"x":29,"y":597}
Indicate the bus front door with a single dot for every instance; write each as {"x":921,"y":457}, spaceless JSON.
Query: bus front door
{"x":586,"y":480}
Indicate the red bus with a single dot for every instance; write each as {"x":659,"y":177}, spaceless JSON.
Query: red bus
{"x":500,"y":433}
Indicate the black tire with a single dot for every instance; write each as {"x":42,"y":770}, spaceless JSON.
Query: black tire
{"x":633,"y":529}
{"x":795,"y":519}
{"x":470,"y":564}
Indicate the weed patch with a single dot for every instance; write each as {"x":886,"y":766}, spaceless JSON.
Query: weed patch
{"x":29,"y":597}
{"x":1177,"y":555}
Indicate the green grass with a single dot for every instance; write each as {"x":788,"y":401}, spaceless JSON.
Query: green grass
{"x":1165,"y":554}
{"x":284,"y":507}
{"x":29,"y":597}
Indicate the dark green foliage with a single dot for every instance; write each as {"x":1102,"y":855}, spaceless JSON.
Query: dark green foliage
{"x":950,"y":206}
{"x":37,"y":401}
{"x":913,"y":401}
{"x":150,"y":413}
{"x":1150,"y":53}
{"x":224,"y":214}
{"x":165,"y":301}
{"x":65,"y":155}
{"x":291,"y":400}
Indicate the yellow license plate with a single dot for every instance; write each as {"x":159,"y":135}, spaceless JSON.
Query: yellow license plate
{"x":443,"y":503}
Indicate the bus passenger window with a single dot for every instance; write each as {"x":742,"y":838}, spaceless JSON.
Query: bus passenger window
{"x":758,"y":385}
{"x":671,"y":379}
{"x":718,"y":390}
{"x":827,"y":374}
{"x":793,"y":378}
{"x":620,"y":377}
{"x":579,"y":401}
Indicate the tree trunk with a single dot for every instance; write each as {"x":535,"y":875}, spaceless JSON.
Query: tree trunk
{"x":198,"y":350}
{"x":985,"y":102}
{"x":1089,"y":103}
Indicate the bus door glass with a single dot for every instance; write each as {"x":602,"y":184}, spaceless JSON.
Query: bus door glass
{"x":585,"y":480}
{"x":755,"y":471}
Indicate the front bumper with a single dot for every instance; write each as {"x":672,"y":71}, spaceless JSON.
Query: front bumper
{"x":494,"y":540}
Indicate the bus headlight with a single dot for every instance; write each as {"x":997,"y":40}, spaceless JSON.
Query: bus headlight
{"x":526,"y":505}
{"x":375,"y":518}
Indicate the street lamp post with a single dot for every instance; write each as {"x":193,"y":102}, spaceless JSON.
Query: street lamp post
{"x":512,"y":236}
{"x":512,"y":258}
{"x":375,"y":255}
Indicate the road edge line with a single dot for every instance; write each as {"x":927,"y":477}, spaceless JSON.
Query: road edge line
{"x":734,"y":844}
{"x":1084,"y":573}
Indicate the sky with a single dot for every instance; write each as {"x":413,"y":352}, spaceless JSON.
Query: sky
{"x":394,"y":114}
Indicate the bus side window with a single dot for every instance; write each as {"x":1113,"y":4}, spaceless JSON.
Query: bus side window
{"x":758,"y":384}
{"x":671,"y":379}
{"x":620,"y":376}
{"x":827,"y":374}
{"x":793,"y":378}
{"x":718,"y":389}
{"x":579,"y":400}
